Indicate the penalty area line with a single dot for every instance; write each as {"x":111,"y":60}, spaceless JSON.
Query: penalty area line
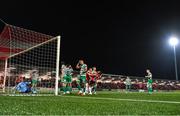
{"x":129,"y":100}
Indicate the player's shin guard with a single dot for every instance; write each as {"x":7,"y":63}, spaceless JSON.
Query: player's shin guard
{"x":32,"y":89}
{"x":90,"y":90}
{"x":87,"y":89}
{"x":95,"y":87}
{"x":64,"y":89}
{"x":150,"y":90}
{"x":69,"y":88}
{"x":79,"y":87}
{"x":84,"y":89}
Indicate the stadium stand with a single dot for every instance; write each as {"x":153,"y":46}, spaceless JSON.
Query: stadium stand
{"x":138,"y":83}
{"x":107,"y":81}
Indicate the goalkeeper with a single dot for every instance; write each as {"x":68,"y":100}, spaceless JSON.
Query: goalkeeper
{"x":149,"y":82}
{"x":23,"y":87}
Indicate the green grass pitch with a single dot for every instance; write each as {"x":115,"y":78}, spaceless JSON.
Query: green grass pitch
{"x":104,"y":103}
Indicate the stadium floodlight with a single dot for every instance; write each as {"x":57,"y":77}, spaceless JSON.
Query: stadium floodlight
{"x":173,"y":41}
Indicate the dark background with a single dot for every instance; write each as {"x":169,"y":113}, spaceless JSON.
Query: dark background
{"x":124,"y":37}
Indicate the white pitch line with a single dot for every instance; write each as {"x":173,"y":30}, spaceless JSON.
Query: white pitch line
{"x":130,"y":100}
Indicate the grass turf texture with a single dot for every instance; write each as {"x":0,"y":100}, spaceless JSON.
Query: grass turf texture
{"x":89,"y":105}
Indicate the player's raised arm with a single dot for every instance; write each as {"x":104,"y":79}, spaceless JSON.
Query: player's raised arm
{"x":71,"y":69}
{"x":149,"y":74}
{"x":85,"y":69}
{"x":99,"y":73}
{"x":78,"y":66}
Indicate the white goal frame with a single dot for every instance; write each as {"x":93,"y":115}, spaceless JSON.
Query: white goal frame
{"x":58,"y":38}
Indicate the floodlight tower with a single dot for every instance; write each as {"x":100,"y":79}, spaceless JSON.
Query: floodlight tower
{"x":173,"y":41}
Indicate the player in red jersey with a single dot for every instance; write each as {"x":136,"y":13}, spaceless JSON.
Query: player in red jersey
{"x":93,"y":79}
{"x":98,"y":76}
{"x":88,"y":77}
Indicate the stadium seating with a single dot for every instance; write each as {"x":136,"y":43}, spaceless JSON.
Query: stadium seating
{"x":109,"y":83}
{"x":138,"y":84}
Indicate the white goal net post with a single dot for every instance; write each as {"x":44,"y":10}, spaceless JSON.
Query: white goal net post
{"x":30,"y":56}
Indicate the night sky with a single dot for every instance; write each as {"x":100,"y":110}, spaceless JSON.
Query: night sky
{"x":124,"y":37}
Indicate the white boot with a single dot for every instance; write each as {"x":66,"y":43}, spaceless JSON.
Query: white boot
{"x":67,"y":92}
{"x":86,"y":90}
{"x":90,"y":90}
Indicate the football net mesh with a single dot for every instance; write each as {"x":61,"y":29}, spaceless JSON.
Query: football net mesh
{"x":27,"y":56}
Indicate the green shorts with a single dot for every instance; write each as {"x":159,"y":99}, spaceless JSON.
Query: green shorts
{"x":67,"y":79}
{"x":150,"y":81}
{"x":149,"y":85}
{"x":82,"y":79}
{"x":34,"y":82}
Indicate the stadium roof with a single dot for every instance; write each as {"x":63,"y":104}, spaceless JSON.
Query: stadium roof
{"x":14,"y":39}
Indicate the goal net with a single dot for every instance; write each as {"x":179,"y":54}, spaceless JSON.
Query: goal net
{"x":29,"y":61}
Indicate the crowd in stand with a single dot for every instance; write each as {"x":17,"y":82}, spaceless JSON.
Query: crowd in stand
{"x":137,"y":84}
{"x":111,"y":82}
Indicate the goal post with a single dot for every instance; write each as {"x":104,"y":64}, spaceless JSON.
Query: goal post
{"x":57,"y":64}
{"x":5,"y":74}
{"x":30,"y":57}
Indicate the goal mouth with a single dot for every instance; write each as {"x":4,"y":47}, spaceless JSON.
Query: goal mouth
{"x":29,"y":56}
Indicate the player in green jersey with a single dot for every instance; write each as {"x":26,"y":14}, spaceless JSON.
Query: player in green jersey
{"x":149,"y":82}
{"x":82,"y":77}
{"x":128,"y":84}
{"x":67,"y":79}
{"x":34,"y":77}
